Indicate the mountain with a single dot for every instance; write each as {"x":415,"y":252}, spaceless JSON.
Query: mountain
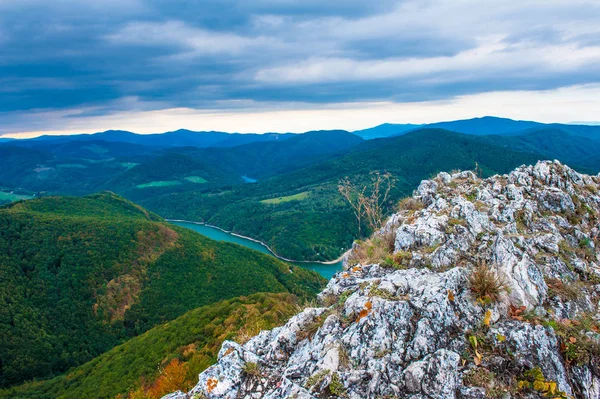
{"x":504,"y":127}
{"x":167,"y":357}
{"x":259,"y":160}
{"x":555,"y":143}
{"x":385,"y":130}
{"x":486,"y":125}
{"x":178,"y":138}
{"x":479,"y":288}
{"x":15,"y":161}
{"x":81,"y":275}
{"x":301,"y":215}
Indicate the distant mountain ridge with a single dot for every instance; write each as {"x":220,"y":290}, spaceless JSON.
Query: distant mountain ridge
{"x":386,"y":130}
{"x":177,"y":138}
{"x":480,"y":126}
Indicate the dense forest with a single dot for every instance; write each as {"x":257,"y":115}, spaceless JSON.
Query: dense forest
{"x":169,"y":356}
{"x":81,"y":275}
{"x":291,"y":202}
{"x":321,"y":226}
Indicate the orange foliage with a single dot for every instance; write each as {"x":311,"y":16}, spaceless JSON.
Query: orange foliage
{"x":171,"y":379}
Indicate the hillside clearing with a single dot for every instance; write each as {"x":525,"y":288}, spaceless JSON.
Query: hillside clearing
{"x":279,"y":200}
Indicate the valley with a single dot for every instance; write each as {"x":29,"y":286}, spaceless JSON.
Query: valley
{"x":280,"y":189}
{"x":116,"y":247}
{"x":326,"y":270}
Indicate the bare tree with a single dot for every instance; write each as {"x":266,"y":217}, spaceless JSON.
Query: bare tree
{"x":368,"y":201}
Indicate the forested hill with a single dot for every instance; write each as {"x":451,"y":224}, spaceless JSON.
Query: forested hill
{"x":301,"y":214}
{"x":81,"y":275}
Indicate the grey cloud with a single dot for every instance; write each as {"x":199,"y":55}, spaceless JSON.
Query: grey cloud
{"x":203,"y":54}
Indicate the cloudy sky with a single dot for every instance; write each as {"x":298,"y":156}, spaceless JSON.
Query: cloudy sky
{"x":292,"y":65}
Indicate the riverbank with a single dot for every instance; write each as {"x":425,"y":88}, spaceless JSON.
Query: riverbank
{"x":329,"y":262}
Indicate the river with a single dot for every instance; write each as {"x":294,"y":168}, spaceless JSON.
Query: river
{"x":214,"y":233}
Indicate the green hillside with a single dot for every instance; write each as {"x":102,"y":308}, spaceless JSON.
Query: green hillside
{"x":81,"y":275}
{"x":318,"y":225}
{"x":261,"y":160}
{"x":171,"y":172}
{"x":179,"y":350}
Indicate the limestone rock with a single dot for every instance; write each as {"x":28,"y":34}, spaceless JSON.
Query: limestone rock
{"x":418,"y":331}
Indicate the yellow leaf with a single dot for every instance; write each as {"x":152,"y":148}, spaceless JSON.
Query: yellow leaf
{"x":500,"y":337}
{"x":523,"y":384}
{"x":540,"y":386}
{"x":552,"y":387}
{"x":488,"y":317}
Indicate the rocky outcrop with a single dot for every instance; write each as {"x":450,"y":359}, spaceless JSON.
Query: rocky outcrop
{"x":491,"y":290}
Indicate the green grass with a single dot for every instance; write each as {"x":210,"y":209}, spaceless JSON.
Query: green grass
{"x":195,"y":179}
{"x":280,"y":200}
{"x":71,"y":166}
{"x":129,"y":165}
{"x":4,"y":196}
{"x":161,"y":183}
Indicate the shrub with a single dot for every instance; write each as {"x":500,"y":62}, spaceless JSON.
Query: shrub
{"x":373,"y":250}
{"x":399,"y":260}
{"x":410,"y":204}
{"x":486,"y":285}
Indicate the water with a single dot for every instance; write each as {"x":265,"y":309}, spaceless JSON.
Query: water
{"x":326,"y":271}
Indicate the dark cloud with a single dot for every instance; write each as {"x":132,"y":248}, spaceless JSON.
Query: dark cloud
{"x":204,"y":53}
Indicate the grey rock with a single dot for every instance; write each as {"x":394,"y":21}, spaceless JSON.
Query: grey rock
{"x":405,"y":333}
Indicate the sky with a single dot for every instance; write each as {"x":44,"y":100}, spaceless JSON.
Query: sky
{"x":81,"y":66}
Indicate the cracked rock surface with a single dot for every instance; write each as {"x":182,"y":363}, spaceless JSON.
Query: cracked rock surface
{"x":414,"y":328}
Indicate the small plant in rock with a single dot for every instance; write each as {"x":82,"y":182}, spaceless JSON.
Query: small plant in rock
{"x":382,"y":353}
{"x":592,"y":188}
{"x":252,"y":369}
{"x":316,"y":379}
{"x":309,"y":331}
{"x":344,"y":356}
{"x":370,"y":251}
{"x":585,"y":249}
{"x":521,"y":220}
{"x":479,"y":377}
{"x":410,"y":204}
{"x":399,"y":260}
{"x":486,"y":285}
{"x":534,"y":380}
{"x":580,"y":339}
{"x":570,"y":291}
{"x":336,"y":387}
{"x":453,"y":222}
{"x":472,"y":196}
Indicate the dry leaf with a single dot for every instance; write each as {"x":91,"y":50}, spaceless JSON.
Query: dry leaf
{"x":450,"y":295}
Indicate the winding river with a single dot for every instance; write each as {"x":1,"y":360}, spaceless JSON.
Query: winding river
{"x":325,"y":270}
